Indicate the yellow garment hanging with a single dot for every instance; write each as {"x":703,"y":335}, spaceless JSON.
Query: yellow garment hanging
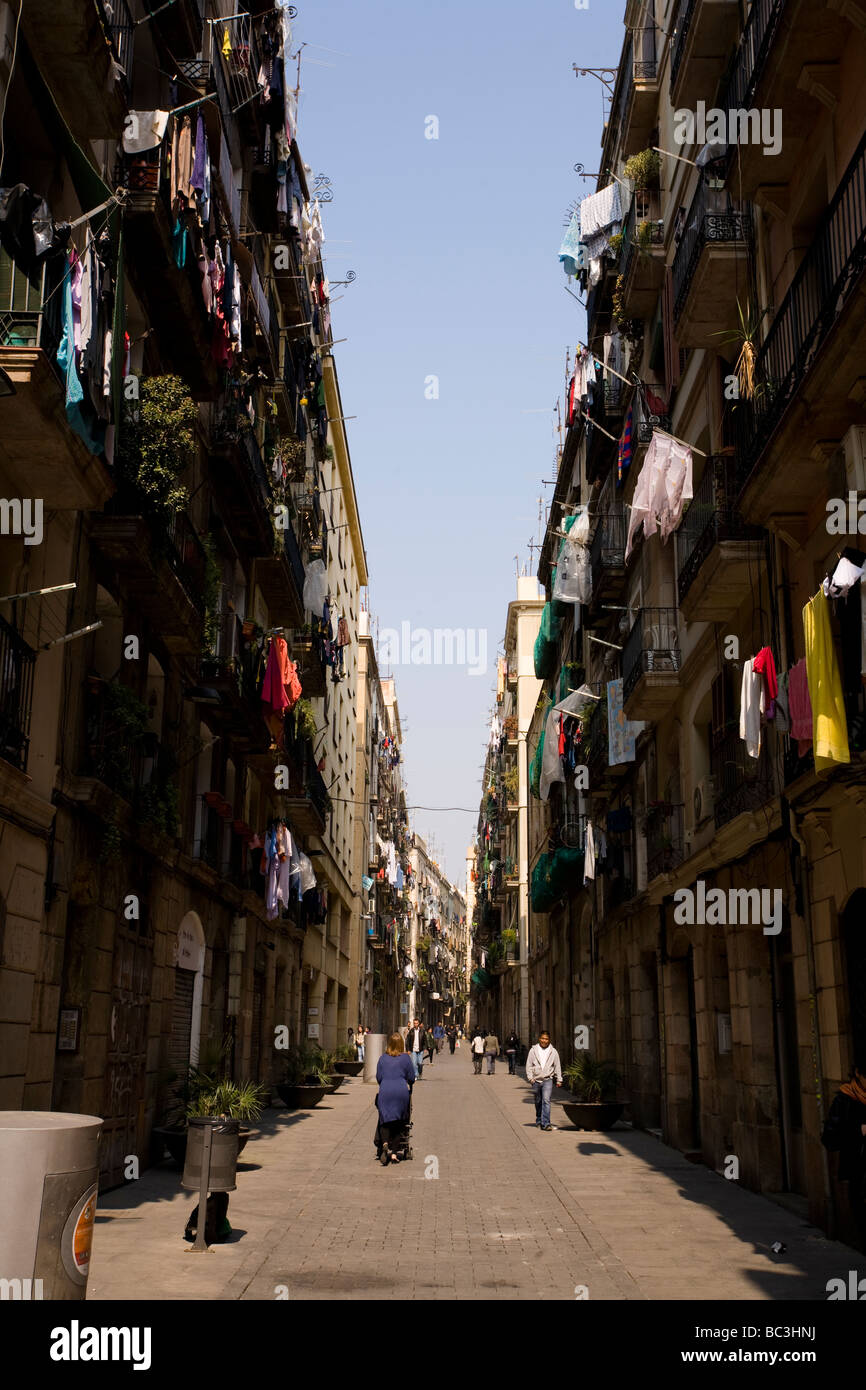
{"x":227,"y":44}
{"x":829,"y":724}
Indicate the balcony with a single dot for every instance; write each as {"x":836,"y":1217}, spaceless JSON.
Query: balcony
{"x":607,"y":560}
{"x":180,"y":26}
{"x":84,"y":49}
{"x":741,"y":783}
{"x":42,"y":456}
{"x":242,"y":480}
{"x":309,"y":653}
{"x":718,"y":555}
{"x":811,"y":364}
{"x":651,"y":662}
{"x":664,"y":839}
{"x":237,"y":57}
{"x":648,"y":417}
{"x":172,"y":294}
{"x":17,"y":666}
{"x":704,"y":33}
{"x":636,"y":103}
{"x":709,"y":268}
{"x":594,"y":751}
{"x":163,"y":571}
{"x":305,"y":802}
{"x":643,"y":256}
{"x":787,"y":60}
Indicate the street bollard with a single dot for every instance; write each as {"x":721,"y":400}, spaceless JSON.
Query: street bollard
{"x":49,"y":1171}
{"x":374,"y":1046}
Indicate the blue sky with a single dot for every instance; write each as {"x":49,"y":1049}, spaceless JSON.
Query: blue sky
{"x":455,"y":244}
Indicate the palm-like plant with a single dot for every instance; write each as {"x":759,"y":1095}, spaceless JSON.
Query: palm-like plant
{"x":237,"y":1100}
{"x":590,"y":1080}
{"x":746,"y":336}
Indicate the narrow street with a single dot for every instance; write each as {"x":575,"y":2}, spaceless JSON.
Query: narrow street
{"x":513,"y":1214}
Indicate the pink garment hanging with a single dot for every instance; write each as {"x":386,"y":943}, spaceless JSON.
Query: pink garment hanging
{"x":274,"y":691}
{"x":800,"y":707}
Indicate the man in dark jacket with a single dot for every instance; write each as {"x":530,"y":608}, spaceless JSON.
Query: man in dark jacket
{"x":451,"y":1031}
{"x":845,"y":1134}
{"x":415,"y":1047}
{"x":512,"y":1047}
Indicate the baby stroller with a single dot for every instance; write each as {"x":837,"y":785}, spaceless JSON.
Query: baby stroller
{"x":399,"y":1142}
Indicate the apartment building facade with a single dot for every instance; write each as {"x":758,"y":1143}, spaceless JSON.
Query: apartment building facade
{"x":725,"y":303}
{"x":170,"y":398}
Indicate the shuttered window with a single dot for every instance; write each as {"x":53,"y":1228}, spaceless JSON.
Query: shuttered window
{"x":181,"y":1020}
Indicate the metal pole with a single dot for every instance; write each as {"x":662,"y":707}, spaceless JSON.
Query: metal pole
{"x":200,"y":1242}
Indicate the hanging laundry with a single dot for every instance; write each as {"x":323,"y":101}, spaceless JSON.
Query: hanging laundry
{"x":573,"y":578}
{"x":800,"y":707}
{"x":765,"y":666}
{"x":274,"y":692}
{"x":829,"y":721}
{"x":844,"y":577}
{"x":624,"y":448}
{"x":663,"y":485}
{"x":589,"y":855}
{"x":143,"y":130}
{"x":227,"y":44}
{"x":600,"y":219}
{"x":751,"y":709}
{"x":572,"y":252}
{"x":621,"y":732}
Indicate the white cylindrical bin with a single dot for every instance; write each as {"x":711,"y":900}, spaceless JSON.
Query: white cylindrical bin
{"x":48,"y":1176}
{"x":374,"y":1046}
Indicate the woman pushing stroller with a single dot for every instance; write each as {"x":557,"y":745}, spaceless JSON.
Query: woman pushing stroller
{"x":396,"y":1077}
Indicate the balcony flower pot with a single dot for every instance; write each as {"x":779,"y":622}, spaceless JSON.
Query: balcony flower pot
{"x":593,"y":1115}
{"x":300,"y":1097}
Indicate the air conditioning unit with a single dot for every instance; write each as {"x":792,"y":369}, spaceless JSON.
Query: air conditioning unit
{"x":704,"y":800}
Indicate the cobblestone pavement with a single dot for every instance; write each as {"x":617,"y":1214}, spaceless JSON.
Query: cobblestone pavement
{"x":514,"y":1213}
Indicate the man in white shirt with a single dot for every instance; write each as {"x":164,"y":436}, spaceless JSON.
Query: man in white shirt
{"x":477,"y":1050}
{"x":542,"y":1068}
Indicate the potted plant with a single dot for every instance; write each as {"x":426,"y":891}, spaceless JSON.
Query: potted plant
{"x":643,"y":169}
{"x":206,"y":1090}
{"x":347,"y":1063}
{"x":302,"y":1088}
{"x":745,"y":337}
{"x":326,"y":1069}
{"x":594,"y":1084}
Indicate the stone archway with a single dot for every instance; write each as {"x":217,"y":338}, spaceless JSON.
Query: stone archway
{"x":189,"y":959}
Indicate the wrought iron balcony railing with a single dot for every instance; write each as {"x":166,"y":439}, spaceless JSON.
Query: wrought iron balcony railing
{"x":25,"y":308}
{"x":751,"y":58}
{"x":17,"y":665}
{"x":741,"y":783}
{"x":713,"y":218}
{"x":607,"y":549}
{"x":653,"y":645}
{"x":664,"y":839}
{"x":710,"y":517}
{"x":824,"y":283}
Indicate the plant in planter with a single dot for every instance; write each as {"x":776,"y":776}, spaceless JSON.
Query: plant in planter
{"x":617,"y":304}
{"x":302,"y":1086}
{"x":594,"y":1084}
{"x":615,"y":243}
{"x":347,"y":1063}
{"x":206,"y":1090}
{"x":509,"y":938}
{"x":511,"y":781}
{"x":423,"y":944}
{"x":643,"y":169}
{"x":305,"y":720}
{"x":745,"y":337}
{"x":157,"y":444}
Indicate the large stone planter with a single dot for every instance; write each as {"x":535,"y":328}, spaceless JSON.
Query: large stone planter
{"x":336,"y":1083}
{"x":348,"y":1068}
{"x":300,"y":1097}
{"x":587,"y":1115}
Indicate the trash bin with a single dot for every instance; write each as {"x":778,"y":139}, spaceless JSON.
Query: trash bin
{"x":374,"y":1046}
{"x":49,"y":1171}
{"x":223,"y":1155}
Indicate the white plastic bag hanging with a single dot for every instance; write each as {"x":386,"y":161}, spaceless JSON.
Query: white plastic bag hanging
{"x":315,"y":587}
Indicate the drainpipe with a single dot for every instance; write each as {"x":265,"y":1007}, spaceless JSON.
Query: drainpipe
{"x":523,"y":880}
{"x":799,"y":840}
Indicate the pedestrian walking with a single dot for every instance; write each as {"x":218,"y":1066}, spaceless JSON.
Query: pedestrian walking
{"x":491,"y":1049}
{"x":415,"y":1047}
{"x":396,"y":1077}
{"x":439,"y":1035}
{"x":477,"y":1049}
{"x":512,"y":1047}
{"x":845,"y":1134}
{"x":451,"y":1033}
{"x":360,"y":1035}
{"x":543,"y":1067}
{"x":430,"y":1044}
